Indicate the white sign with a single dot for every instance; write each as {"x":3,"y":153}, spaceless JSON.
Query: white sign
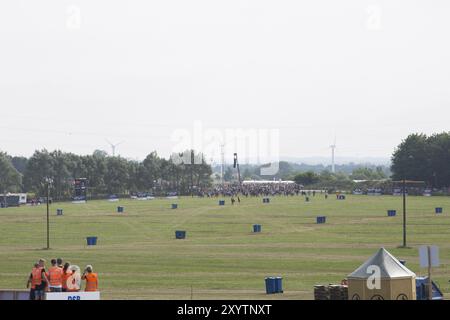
{"x":94,"y":295}
{"x":423,"y":254}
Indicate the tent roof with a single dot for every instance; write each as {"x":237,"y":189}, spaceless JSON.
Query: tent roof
{"x":390,"y":267}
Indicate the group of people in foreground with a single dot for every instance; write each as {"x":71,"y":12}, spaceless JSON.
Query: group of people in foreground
{"x":59,"y":278}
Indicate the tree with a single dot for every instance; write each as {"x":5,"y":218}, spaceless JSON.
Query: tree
{"x":39,"y":166}
{"x":423,"y":158}
{"x":306,"y":178}
{"x":10,"y":178}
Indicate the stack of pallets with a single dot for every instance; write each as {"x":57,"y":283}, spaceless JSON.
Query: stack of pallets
{"x":321,"y":292}
{"x":338,"y":292}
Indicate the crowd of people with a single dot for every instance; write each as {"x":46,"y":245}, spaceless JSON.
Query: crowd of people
{"x":253,"y":190}
{"x":59,"y":277}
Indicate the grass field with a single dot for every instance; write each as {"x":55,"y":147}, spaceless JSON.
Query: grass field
{"x":138,"y":257}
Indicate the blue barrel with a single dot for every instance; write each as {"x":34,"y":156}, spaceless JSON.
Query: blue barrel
{"x":321,"y":219}
{"x":270,"y":285}
{"x":256,"y":228}
{"x":221,"y":202}
{"x":91,"y":241}
{"x":278,"y":284}
{"x":174,"y":205}
{"x":391,"y":213}
{"x":179,"y":234}
{"x":120,"y":209}
{"x":59,"y":212}
{"x":438,"y":210}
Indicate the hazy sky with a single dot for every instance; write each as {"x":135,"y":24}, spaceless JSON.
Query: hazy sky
{"x":74,"y":73}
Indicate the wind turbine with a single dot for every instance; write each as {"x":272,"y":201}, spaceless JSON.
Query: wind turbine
{"x":333,"y":147}
{"x":113,"y":146}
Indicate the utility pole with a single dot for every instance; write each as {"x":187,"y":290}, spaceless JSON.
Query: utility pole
{"x":222,"y":166}
{"x":404,"y":213}
{"x":48,"y":182}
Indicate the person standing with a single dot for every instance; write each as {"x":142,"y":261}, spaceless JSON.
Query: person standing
{"x":33,"y":281}
{"x":65,"y":276}
{"x":59,"y":261}
{"x":55,"y":277}
{"x":91,"y":279}
{"x":39,"y":280}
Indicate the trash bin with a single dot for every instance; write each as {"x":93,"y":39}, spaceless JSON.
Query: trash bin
{"x":270,"y":285}
{"x":278,"y":284}
{"x":321,"y":219}
{"x":438,"y":210}
{"x":91,"y":241}
{"x":274,"y":285}
{"x":179,"y":234}
{"x":174,"y":205}
{"x":59,"y":212}
{"x":221,"y":202}
{"x":120,"y":209}
{"x":256,"y":228}
{"x":391,"y":213}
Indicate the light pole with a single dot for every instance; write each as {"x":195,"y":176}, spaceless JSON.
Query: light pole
{"x":48,"y":181}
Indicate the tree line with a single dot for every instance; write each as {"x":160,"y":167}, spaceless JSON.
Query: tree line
{"x":105,"y":174}
{"x":423,"y":158}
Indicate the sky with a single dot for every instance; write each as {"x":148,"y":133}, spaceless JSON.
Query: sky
{"x":162,"y":75}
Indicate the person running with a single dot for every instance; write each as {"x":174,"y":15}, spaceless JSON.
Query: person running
{"x":55,"y":277}
{"x":65,"y":276}
{"x":91,"y":279}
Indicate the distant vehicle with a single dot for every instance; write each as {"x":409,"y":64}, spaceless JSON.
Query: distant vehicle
{"x":22,"y":197}
{"x":113,"y":198}
{"x":357,"y":191}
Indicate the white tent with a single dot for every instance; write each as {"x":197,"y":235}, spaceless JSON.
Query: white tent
{"x":396,"y":282}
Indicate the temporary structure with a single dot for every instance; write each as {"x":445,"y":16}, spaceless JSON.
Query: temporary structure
{"x":382,"y":277}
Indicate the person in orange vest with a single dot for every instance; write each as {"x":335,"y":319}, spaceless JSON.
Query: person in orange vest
{"x":65,"y":276}
{"x":31,"y":282}
{"x":55,"y":275}
{"x":91,"y":279}
{"x":38,"y":280}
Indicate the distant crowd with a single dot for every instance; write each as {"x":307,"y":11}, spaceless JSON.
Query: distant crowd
{"x":60,"y":277}
{"x":254,"y":190}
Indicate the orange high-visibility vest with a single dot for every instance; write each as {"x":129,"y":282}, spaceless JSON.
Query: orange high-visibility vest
{"x":36,"y":277}
{"x":65,"y":276}
{"x":91,"y":282}
{"x":55,"y":276}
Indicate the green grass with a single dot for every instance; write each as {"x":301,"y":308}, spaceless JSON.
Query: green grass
{"x":137,"y":256}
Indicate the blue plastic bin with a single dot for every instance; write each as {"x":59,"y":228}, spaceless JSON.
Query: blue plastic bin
{"x":179,"y":234}
{"x":91,"y":241}
{"x":59,"y":212}
{"x":278,"y":284}
{"x":221,"y":202}
{"x":274,"y":285}
{"x":321,"y":219}
{"x":256,"y":228}
{"x":120,"y":209}
{"x":438,"y":210}
{"x":391,"y":213}
{"x":174,"y":206}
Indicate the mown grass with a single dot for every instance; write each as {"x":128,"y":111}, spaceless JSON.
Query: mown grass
{"x":138,"y":257}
